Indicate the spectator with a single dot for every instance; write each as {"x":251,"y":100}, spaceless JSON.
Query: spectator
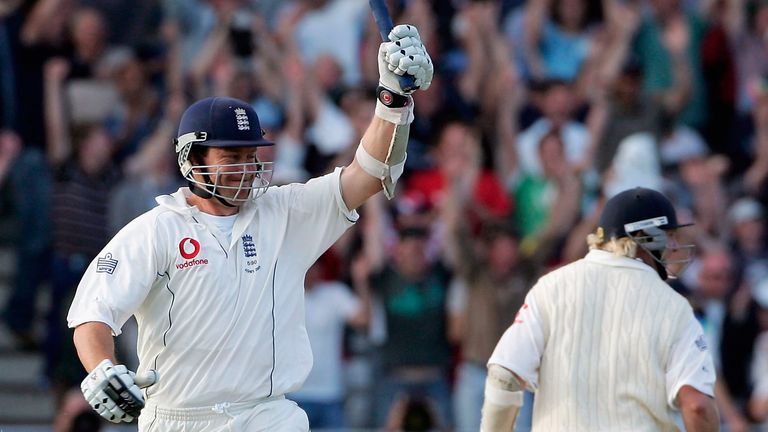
{"x":748,"y":243}
{"x":716,"y":280}
{"x":312,"y":18}
{"x":668,"y":22}
{"x":548,"y":201}
{"x":83,"y":174}
{"x":458,"y":154}
{"x":329,"y":306}
{"x":137,"y":112}
{"x":413,"y":292}
{"x":151,"y":172}
{"x":559,"y":35}
{"x":556,"y":100}
{"x":490,"y":283}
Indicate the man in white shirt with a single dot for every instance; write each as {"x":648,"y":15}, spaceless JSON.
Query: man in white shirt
{"x":214,"y":274}
{"x":604,"y":342}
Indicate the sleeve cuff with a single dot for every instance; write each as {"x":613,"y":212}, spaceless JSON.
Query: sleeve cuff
{"x":349,"y":215}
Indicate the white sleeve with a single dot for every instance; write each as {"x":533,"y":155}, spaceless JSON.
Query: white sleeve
{"x":116,"y":282}
{"x":522,"y":345}
{"x":690,"y":363}
{"x":318,"y":217}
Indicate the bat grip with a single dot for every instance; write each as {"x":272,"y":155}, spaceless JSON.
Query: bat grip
{"x":384,"y":23}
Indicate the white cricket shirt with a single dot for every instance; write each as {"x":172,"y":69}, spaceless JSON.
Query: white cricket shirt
{"x":221,"y":321}
{"x":606,"y":345}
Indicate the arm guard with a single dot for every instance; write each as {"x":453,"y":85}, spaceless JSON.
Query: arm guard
{"x":390,"y":170}
{"x":503,"y":399}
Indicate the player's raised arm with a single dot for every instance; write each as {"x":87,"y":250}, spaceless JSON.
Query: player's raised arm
{"x":380,"y":157}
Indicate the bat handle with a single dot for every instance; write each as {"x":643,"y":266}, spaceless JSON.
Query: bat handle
{"x":384,"y":23}
{"x":408,"y":83}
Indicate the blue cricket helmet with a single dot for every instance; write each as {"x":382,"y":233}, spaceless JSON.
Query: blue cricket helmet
{"x":222,"y":122}
{"x":636,"y":209}
{"x":226,"y":121}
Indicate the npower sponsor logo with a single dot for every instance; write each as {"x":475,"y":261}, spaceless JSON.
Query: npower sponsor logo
{"x":189,"y":248}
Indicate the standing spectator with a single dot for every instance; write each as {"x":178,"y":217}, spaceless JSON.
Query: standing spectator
{"x":670,"y":20}
{"x":36,"y":33}
{"x":490,"y":283}
{"x":746,"y":219}
{"x":329,"y":306}
{"x":458,"y":153}
{"x":89,"y":42}
{"x":709,"y":298}
{"x":136,"y":115}
{"x":312,"y":20}
{"x":620,"y":107}
{"x":559,"y":35}
{"x":83,"y":175}
{"x":548,"y":202}
{"x":413,"y":293}
{"x":81,"y":183}
{"x":556,"y":100}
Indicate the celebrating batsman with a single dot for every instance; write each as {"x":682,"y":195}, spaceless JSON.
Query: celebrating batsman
{"x":604,"y":342}
{"x":214,"y":274}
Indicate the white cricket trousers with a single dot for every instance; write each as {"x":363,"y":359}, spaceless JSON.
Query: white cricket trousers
{"x":276,"y":414}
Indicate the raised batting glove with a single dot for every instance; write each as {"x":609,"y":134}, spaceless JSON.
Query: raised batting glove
{"x":404,"y":54}
{"x":113,"y":391}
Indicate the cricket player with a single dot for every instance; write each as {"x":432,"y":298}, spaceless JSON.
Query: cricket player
{"x":604,"y":342}
{"x":214,"y":274}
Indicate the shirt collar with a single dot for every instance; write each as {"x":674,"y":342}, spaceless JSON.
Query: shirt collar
{"x":611,"y":259}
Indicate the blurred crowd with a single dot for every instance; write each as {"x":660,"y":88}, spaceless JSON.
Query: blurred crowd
{"x":538,"y":112}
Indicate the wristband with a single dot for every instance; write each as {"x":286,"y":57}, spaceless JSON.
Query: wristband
{"x":391,"y":99}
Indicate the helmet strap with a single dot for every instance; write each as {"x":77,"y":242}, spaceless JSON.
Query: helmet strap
{"x":658,"y":265}
{"x":655,"y":255}
{"x":206,"y":193}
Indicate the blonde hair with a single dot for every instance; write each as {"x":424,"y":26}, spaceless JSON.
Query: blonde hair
{"x":622,"y":246}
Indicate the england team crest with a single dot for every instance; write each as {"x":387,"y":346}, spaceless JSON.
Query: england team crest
{"x":249,"y":249}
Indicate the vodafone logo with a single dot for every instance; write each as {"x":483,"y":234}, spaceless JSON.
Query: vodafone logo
{"x":189,"y":248}
{"x":191,"y":263}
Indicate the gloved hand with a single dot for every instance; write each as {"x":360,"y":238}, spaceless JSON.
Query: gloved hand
{"x":113,"y":391}
{"x":404,"y":54}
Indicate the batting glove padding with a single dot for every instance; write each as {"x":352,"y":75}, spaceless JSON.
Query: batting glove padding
{"x":404,"y":54}
{"x":113,"y":393}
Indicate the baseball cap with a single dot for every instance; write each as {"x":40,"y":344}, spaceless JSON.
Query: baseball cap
{"x":228,"y":122}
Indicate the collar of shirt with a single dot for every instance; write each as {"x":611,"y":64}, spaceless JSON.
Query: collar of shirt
{"x":610,"y":259}
{"x":177,"y":202}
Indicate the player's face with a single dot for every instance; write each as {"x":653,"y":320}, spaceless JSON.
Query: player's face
{"x":236,"y":171}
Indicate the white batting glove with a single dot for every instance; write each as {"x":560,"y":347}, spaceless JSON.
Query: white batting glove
{"x":113,"y":391}
{"x":404,"y":54}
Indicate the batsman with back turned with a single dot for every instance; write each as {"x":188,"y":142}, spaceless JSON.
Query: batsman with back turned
{"x":214,"y":274}
{"x":604,"y":342}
